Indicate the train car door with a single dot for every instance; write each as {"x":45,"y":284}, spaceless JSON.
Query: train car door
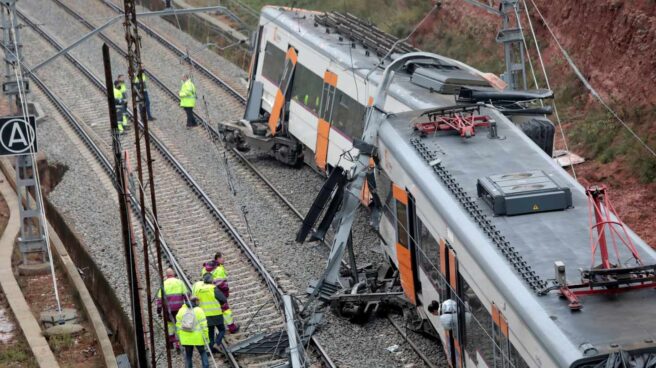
{"x":405,"y":245}
{"x":283,"y":85}
{"x":449,"y":267}
{"x":325,"y":118}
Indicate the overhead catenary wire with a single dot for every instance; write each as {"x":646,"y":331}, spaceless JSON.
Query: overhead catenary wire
{"x":587,"y":84}
{"x":31,"y":136}
{"x":546,"y":80}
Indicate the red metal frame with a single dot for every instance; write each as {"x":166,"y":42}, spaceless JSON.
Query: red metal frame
{"x":605,"y":226}
{"x":464,"y":125}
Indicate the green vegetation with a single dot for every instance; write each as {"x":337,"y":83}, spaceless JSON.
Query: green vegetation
{"x":16,"y":355}
{"x":59,"y":343}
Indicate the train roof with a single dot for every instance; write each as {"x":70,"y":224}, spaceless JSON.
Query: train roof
{"x":538,"y":238}
{"x":354,"y":56}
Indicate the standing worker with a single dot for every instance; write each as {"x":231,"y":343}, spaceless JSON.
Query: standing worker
{"x":216,"y":268}
{"x":175,"y":292}
{"x":187,"y":96}
{"x":124,"y":91}
{"x":119,"y":101}
{"x":211,"y":298}
{"x":192,"y":329}
{"x":137,"y":82}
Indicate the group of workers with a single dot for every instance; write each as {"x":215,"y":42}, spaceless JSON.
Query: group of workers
{"x":194,"y":319}
{"x":187,"y":95}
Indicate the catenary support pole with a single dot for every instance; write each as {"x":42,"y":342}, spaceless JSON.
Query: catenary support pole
{"x":135,"y":70}
{"x":139,"y":352}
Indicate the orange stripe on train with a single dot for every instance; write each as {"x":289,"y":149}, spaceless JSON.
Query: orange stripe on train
{"x":405,"y":268}
{"x":321,"y":152}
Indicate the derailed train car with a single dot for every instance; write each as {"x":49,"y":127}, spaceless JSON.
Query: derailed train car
{"x":477,"y":216}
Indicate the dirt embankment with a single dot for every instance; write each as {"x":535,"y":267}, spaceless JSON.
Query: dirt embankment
{"x":613,"y":42}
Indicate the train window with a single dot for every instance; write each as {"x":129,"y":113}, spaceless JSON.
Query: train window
{"x":274,"y":63}
{"x":384,"y":188}
{"x":428,"y":257}
{"x":401,"y":222}
{"x":348,"y":115}
{"x":478,"y":327}
{"x":306,"y":89}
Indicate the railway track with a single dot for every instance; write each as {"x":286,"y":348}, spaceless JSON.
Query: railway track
{"x":193,"y":241}
{"x":235,"y":154}
{"x":210,"y":82}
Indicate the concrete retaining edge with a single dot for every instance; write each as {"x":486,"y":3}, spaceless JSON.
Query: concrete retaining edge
{"x":71,"y":255}
{"x":19,"y":307}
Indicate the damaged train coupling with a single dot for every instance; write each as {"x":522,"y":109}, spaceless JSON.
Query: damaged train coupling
{"x":245,"y":135}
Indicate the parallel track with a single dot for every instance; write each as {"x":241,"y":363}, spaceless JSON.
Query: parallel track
{"x":247,"y":272}
{"x":214,"y":134}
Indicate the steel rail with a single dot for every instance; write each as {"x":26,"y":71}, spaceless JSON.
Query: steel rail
{"x":182,"y":54}
{"x":97,"y":151}
{"x":214,"y":135}
{"x":100,"y":156}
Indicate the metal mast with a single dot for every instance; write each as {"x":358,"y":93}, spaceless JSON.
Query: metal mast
{"x":126,"y":224}
{"x":513,"y":43}
{"x":32,"y":237}
{"x":135,"y":69}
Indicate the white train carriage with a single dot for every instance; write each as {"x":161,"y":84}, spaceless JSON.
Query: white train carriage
{"x":316,"y":84}
{"x":450,"y":236}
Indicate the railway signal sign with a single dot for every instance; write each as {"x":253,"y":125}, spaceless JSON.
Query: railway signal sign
{"x":17,"y":136}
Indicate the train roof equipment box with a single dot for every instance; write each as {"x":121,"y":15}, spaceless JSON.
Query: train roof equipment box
{"x":522,"y":193}
{"x":447,"y":79}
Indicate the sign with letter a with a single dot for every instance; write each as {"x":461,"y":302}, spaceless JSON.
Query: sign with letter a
{"x":17,"y":136}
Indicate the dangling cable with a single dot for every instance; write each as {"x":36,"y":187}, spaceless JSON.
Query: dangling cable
{"x":546,"y":80}
{"x":587,"y":85}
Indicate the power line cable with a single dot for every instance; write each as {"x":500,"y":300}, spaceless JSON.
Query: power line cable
{"x":546,"y":80}
{"x":587,"y":84}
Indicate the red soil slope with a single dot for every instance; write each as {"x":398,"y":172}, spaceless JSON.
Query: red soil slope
{"x":613,"y":42}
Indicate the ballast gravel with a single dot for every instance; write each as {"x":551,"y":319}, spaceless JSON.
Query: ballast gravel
{"x":272,"y":226}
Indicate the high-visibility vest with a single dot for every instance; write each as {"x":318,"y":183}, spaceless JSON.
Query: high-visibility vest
{"x":118,"y":96}
{"x":175,"y":291}
{"x":205,"y":294}
{"x":219,"y":274}
{"x":187,"y":94}
{"x":137,"y":82}
{"x":200,"y":335}
{"x":123,"y":89}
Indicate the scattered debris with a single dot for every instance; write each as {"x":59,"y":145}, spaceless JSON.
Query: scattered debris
{"x":565,"y":158}
{"x":393,"y":348}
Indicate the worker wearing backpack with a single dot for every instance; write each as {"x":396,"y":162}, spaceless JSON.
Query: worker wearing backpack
{"x":192,"y":331}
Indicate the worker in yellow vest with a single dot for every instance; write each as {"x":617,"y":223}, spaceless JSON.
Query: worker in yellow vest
{"x":124,"y":91}
{"x":192,"y":328}
{"x":175,"y":293}
{"x":187,"y":96}
{"x":211,"y":298}
{"x":216,"y":268}
{"x":119,"y":101}
{"x":137,"y":83}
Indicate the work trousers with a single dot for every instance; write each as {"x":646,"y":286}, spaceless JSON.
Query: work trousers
{"x":190,"y":116}
{"x":147,"y":101}
{"x":219,"y":337}
{"x":170,"y":326}
{"x":189,"y":353}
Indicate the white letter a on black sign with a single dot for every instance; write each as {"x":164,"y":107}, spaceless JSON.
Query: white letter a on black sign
{"x":17,"y":136}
